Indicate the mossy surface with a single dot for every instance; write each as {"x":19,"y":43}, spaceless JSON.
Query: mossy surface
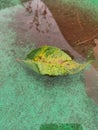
{"x":28,"y":100}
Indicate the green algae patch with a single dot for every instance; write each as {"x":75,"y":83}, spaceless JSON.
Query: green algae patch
{"x":61,"y":127}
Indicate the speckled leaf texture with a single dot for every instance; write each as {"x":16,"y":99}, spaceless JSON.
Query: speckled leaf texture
{"x":51,"y":60}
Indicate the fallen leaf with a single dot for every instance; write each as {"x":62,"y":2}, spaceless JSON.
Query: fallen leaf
{"x":51,"y":60}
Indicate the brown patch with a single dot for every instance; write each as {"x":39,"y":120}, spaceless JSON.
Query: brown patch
{"x":77,"y":25}
{"x":96,"y":49}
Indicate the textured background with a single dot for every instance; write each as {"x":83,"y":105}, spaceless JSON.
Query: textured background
{"x":28,"y":100}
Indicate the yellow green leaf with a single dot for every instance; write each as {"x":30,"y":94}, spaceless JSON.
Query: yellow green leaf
{"x":51,"y":60}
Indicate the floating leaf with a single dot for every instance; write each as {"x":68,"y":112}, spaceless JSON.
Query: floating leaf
{"x":51,"y":60}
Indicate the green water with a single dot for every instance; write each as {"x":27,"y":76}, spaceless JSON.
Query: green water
{"x":28,"y":100}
